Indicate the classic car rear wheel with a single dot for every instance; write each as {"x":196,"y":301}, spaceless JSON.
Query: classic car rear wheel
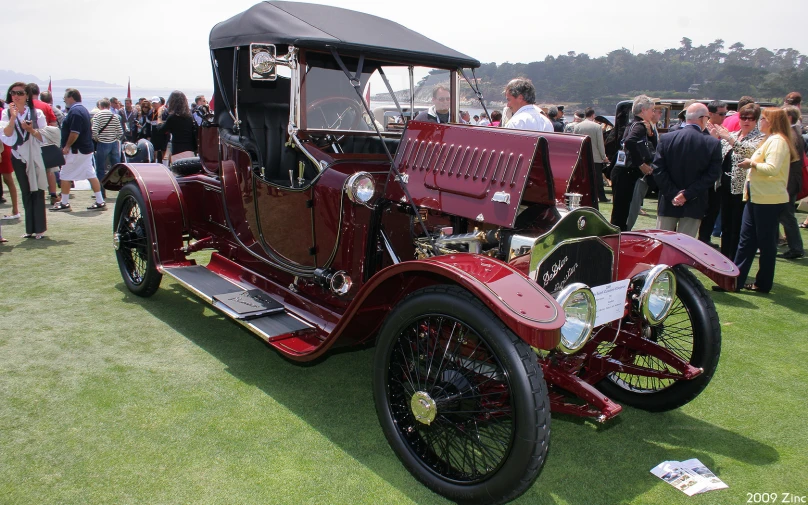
{"x":693,"y":333}
{"x":461,"y":399}
{"x":133,"y":239}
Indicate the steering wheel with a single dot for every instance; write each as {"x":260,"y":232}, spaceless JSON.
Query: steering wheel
{"x":334,"y":110}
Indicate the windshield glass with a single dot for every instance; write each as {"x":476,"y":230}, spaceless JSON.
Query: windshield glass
{"x":331,"y":103}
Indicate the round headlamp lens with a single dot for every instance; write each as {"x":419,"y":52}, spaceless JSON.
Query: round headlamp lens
{"x":364,"y":189}
{"x":130,"y":149}
{"x":660,"y":296}
{"x":578,"y":303}
{"x":360,"y":187}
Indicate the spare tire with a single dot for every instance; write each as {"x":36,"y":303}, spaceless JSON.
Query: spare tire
{"x":187,"y":166}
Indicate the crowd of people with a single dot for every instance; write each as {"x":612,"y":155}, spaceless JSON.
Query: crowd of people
{"x":90,"y":142}
{"x":733,"y":174}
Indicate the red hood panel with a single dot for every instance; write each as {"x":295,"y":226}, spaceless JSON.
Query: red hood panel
{"x":484,"y":173}
{"x":474,"y":172}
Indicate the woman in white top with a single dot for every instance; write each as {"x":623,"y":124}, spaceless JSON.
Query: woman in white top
{"x":18,"y":127}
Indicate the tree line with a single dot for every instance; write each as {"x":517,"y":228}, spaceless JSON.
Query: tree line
{"x":705,"y":71}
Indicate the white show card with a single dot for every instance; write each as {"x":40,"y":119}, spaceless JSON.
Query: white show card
{"x":610,"y":301}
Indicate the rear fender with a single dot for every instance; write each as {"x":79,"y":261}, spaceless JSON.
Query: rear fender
{"x":529,"y":311}
{"x":640,"y":251}
{"x":165,"y":204}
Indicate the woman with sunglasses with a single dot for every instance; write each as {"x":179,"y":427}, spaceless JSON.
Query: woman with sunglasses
{"x":19,"y":125}
{"x":765,"y":195}
{"x":742,"y":143}
{"x":6,"y":172}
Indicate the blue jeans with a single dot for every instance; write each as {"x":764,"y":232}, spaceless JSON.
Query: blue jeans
{"x":106,"y":151}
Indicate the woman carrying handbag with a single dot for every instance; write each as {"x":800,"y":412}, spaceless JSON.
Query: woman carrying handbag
{"x":19,"y":125}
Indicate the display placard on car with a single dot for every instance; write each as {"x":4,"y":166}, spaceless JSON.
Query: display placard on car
{"x":610,"y":301}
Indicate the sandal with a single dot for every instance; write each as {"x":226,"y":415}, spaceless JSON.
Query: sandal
{"x":803,"y":225}
{"x":3,"y":240}
{"x":98,"y":206}
{"x":39,"y":236}
{"x":27,"y":235}
{"x":61,"y":206}
{"x":13,"y":216}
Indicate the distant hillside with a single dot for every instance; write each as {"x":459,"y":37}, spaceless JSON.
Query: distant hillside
{"x":8,"y":76}
{"x":84,"y":82}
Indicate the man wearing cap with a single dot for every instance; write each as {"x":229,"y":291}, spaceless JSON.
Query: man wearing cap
{"x":686,"y":164}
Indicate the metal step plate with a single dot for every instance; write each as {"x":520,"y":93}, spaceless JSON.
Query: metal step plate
{"x":249,"y":304}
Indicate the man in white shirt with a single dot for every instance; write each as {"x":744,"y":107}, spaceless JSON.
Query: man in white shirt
{"x":521,"y":98}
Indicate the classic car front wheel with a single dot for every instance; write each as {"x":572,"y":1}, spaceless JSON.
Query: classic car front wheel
{"x":133,"y":239}
{"x":692,"y":332}
{"x":460,"y":398}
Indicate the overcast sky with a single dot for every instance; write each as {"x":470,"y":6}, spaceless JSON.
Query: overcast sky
{"x":163,"y":43}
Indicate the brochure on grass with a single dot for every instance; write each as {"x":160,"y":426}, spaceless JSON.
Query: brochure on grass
{"x":690,"y":477}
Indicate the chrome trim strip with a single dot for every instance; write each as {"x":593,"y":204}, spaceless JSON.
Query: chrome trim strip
{"x":471,"y":160}
{"x":568,"y":229}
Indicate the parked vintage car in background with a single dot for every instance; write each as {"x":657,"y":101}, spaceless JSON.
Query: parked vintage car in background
{"x":474,"y":257}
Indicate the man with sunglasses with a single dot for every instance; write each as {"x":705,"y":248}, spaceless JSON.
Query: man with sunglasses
{"x":439,"y":111}
{"x":687,"y":163}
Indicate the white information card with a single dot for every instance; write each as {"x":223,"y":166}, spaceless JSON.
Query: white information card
{"x":610,"y":301}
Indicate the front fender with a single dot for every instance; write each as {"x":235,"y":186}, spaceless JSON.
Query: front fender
{"x":642,"y":250}
{"x":165,"y":204}
{"x":529,"y":311}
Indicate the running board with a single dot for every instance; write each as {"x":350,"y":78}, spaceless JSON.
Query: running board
{"x":247,"y":305}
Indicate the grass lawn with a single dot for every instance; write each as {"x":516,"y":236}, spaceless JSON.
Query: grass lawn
{"x":109,"y":398}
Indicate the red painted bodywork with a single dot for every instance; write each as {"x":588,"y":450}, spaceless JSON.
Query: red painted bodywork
{"x":166,"y":207}
{"x":458,"y":169}
{"x":273,"y":237}
{"x":642,"y":250}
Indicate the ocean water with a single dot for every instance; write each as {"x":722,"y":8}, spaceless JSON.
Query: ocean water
{"x":90,"y":94}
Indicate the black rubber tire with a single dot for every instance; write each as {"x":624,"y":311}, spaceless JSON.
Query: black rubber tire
{"x":527,"y":411}
{"x":134,"y":254}
{"x":186,"y":166}
{"x":703,"y":351}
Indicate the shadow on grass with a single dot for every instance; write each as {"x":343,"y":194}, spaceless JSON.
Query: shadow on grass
{"x":334,"y":397}
{"x":788,"y":296}
{"x":43,"y":243}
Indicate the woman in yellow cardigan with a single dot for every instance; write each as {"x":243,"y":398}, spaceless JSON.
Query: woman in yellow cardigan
{"x":765,"y":196}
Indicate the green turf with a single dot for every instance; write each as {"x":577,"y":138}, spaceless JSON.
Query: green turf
{"x":109,"y":398}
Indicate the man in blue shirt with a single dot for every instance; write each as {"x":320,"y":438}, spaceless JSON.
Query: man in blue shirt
{"x":77,"y":146}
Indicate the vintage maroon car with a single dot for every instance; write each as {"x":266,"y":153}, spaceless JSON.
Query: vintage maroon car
{"x":475,"y":258}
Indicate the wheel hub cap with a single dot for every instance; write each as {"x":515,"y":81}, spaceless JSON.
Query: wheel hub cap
{"x":116,"y":241}
{"x":423,"y":407}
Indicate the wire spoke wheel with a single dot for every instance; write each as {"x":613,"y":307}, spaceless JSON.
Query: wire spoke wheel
{"x":450,"y":397}
{"x":133,"y":243}
{"x":461,"y":399}
{"x":691,"y":331}
{"x":675,"y":334}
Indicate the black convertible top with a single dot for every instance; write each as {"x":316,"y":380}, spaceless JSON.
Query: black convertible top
{"x":314,"y":26}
